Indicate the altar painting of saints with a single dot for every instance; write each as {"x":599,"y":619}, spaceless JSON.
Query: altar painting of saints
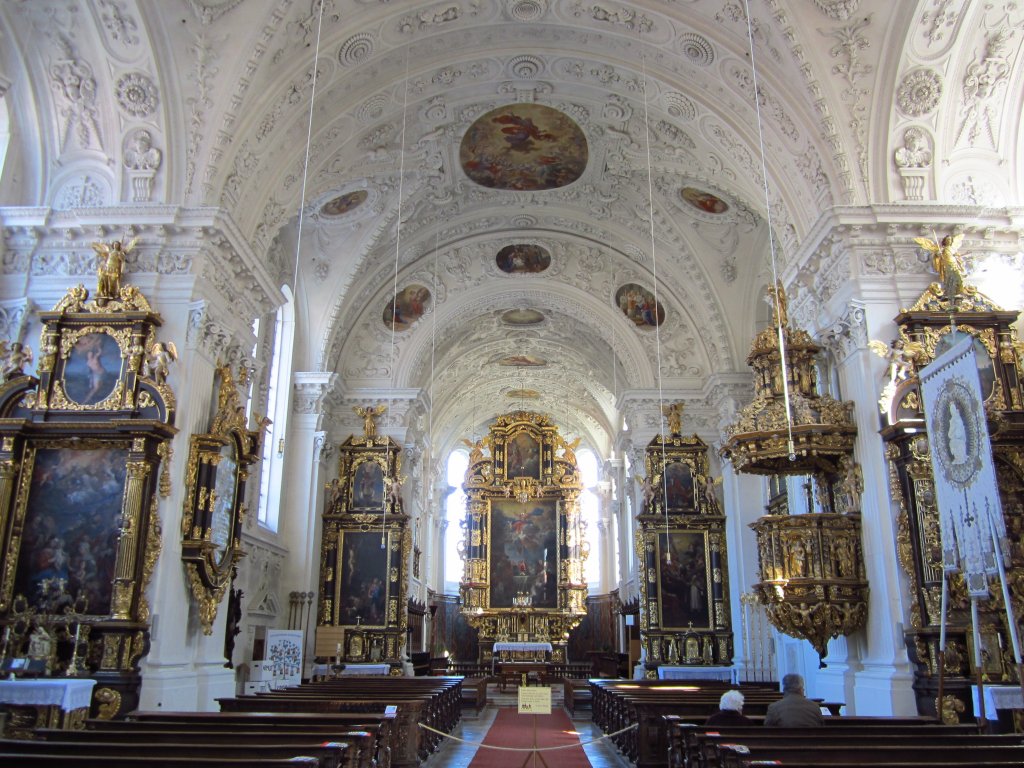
{"x":72,"y":525}
{"x":684,"y":579}
{"x":368,"y":486}
{"x":679,"y":486}
{"x":524,"y":554}
{"x":362,"y":596}
{"x":522,"y":457}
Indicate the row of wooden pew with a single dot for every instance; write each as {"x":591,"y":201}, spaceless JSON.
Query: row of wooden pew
{"x":843,"y":742}
{"x":212,"y":740}
{"x":346,"y":723}
{"x":618,"y":704}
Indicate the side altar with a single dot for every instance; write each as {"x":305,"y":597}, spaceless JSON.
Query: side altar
{"x":524,"y":545}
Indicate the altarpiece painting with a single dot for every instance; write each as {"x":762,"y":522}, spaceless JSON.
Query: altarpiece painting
{"x":366,"y":553}
{"x":81,"y":449}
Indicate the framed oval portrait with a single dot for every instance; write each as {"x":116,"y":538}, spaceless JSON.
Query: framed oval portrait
{"x":92,"y":369}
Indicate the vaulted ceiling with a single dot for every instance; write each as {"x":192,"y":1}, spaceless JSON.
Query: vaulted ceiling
{"x":524,"y":176}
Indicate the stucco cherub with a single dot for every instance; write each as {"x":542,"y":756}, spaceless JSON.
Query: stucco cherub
{"x":159,"y":359}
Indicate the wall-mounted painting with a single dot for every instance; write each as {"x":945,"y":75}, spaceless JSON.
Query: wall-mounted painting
{"x":368,"y":485}
{"x":679,"y":487}
{"x":522,"y":457}
{"x":93,"y":368}
{"x":524,"y":552}
{"x":522,"y":317}
{"x":703,"y":201}
{"x":363,"y":582}
{"x":522,"y":361}
{"x":684,"y":579}
{"x":72,"y":524}
{"x":342,"y":204}
{"x":407,"y":307}
{"x":637,"y":303}
{"x":524,"y":147}
{"x":523,"y":257}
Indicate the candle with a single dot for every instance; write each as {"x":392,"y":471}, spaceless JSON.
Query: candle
{"x":78,"y":630}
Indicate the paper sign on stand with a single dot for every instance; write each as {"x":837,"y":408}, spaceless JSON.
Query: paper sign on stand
{"x":535,"y":700}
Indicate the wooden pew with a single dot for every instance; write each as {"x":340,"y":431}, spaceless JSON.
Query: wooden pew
{"x":820,"y":754}
{"x":433,"y":701}
{"x":46,"y":760}
{"x":327,"y":754}
{"x":693,"y":744}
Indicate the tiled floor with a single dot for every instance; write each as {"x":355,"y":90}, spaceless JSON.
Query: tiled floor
{"x":472,"y":728}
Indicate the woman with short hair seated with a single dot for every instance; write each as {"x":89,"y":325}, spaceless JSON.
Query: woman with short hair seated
{"x":730,"y":711}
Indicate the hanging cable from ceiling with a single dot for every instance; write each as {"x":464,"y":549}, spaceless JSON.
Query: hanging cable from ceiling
{"x":309,"y":141}
{"x":776,"y":293}
{"x":388,"y":491}
{"x":654,"y":277}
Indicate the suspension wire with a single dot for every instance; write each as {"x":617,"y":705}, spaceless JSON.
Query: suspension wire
{"x":771,"y":238}
{"x":309,"y":141}
{"x":433,"y":342}
{"x":654,"y":275}
{"x":394,"y":289}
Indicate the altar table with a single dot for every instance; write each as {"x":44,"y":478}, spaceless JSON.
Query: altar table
{"x":697,"y":672}
{"x":521,"y":651}
{"x":46,"y":703}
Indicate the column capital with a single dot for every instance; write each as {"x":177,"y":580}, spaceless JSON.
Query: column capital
{"x":311,"y":388}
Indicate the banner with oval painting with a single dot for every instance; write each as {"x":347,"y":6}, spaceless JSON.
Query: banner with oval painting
{"x":520,"y":258}
{"x":407,"y":307}
{"x":525,"y":147}
{"x":637,"y":303}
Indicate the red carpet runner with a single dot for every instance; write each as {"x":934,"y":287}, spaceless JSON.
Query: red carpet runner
{"x":510,"y":729}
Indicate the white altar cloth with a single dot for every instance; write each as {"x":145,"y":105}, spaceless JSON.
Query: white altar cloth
{"x":366,"y":669}
{"x":510,"y":646}
{"x":67,"y":693}
{"x":725,"y":674}
{"x":998,"y":697}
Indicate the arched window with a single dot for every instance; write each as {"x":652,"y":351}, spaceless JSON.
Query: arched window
{"x":589,"y":514}
{"x":454,"y":513}
{"x":277,"y":409}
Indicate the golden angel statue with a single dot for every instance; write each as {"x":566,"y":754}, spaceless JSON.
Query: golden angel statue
{"x":158,"y":361}
{"x":369,"y":413}
{"x":674,"y":414}
{"x":901,"y":356}
{"x":706,"y":485}
{"x":476,"y":449}
{"x":336,"y":493}
{"x":648,"y":489}
{"x":569,"y":449}
{"x":946,"y":261}
{"x":109,"y":268}
{"x":394,"y":485}
{"x":780,"y":307}
{"x":13,"y":358}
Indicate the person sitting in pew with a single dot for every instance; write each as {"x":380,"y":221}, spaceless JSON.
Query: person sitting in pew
{"x":793,"y":710}
{"x":730,"y":711}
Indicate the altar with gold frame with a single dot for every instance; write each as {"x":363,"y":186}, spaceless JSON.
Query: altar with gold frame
{"x":684,"y":610}
{"x":524,"y":545}
{"x":366,"y":546}
{"x":81,"y":449}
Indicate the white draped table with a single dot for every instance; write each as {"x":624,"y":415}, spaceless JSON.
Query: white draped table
{"x":366,"y":669}
{"x":59,"y":702}
{"x":518,"y":651}
{"x":998,"y":697}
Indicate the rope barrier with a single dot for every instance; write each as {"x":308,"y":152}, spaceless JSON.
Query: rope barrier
{"x":480,"y":744}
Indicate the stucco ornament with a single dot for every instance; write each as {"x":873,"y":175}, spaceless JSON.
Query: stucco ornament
{"x":915,"y":152}
{"x":136,"y":94}
{"x":919,"y":93}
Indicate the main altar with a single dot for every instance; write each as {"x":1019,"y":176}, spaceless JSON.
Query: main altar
{"x":524,"y":544}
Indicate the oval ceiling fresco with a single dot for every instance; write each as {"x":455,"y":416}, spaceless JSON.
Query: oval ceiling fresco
{"x":704,"y":201}
{"x":522,"y":361}
{"x":342,"y":204}
{"x":520,"y":258}
{"x":522,"y":317}
{"x":637,"y":303}
{"x":525,"y":147}
{"x":407,"y":307}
